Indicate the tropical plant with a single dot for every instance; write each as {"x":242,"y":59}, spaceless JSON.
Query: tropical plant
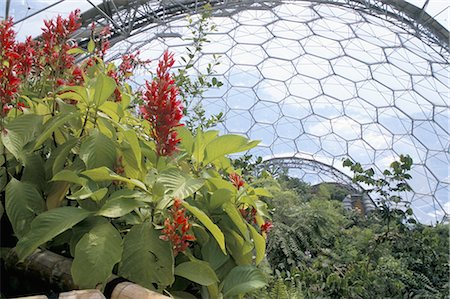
{"x":138,"y":196}
{"x":318,"y":250}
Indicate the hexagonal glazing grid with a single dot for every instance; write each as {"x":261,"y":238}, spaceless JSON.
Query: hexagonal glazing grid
{"x":328,"y":82}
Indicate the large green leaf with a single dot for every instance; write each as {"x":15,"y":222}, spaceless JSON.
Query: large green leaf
{"x":23,"y":202}
{"x":212,"y":253}
{"x":60,"y":155}
{"x":219,"y":197}
{"x":240,"y":249}
{"x":98,"y":150}
{"x":132,"y":139}
{"x":146,"y":258}
{"x":112,"y":109}
{"x":82,"y":228}
{"x":227,"y":144}
{"x":102,"y":174}
{"x":119,"y":206}
{"x":56,"y":193}
{"x":48,"y":225}
{"x":202,"y":139}
{"x":197,"y":271}
{"x":187,"y":140}
{"x":55,"y":123}
{"x":104,"y":88}
{"x":242,"y":280}
{"x":34,"y":171}
{"x":96,"y":253}
{"x":207,"y":222}
{"x":69,"y":176}
{"x":179,"y":184}
{"x":237,"y":219}
{"x":19,"y":131}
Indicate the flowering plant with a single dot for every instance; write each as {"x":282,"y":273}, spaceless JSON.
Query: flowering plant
{"x":140,"y":197}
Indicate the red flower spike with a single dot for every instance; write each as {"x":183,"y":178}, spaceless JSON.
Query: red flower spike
{"x":236,"y":180}
{"x":16,"y":63}
{"x":162,"y":109}
{"x":176,"y":228}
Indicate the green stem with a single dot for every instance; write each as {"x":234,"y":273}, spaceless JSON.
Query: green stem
{"x":85,"y":122}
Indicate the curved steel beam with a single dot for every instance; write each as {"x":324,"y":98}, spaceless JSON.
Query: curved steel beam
{"x":317,"y":166}
{"x":130,"y":17}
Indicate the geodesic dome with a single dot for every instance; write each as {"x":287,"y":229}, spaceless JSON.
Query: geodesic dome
{"x":319,"y":81}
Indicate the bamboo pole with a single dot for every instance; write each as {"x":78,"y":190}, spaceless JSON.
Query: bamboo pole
{"x":50,"y":267}
{"x":54,"y":269}
{"x":128,"y":290}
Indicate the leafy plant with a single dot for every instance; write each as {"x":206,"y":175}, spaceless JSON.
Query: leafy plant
{"x":138,"y":196}
{"x":319,"y":250}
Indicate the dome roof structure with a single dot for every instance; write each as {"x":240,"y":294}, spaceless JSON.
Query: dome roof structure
{"x":317,"y":81}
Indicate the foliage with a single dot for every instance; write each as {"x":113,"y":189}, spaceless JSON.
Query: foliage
{"x":116,"y":190}
{"x":193,"y":83}
{"x":319,"y":250}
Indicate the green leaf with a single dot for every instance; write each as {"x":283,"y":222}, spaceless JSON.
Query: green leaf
{"x":23,"y":202}
{"x":85,"y":192}
{"x":82,"y":228}
{"x":56,"y":194}
{"x":187,"y":140}
{"x":201,"y":141}
{"x":240,"y":250}
{"x":227,"y":144}
{"x":95,"y":256}
{"x":112,"y":109}
{"x":118,"y":207}
{"x":55,"y":123}
{"x":146,"y":258}
{"x":219,"y":183}
{"x":262,"y":192}
{"x":61,"y":154}
{"x":207,"y":222}
{"x":78,"y":93}
{"x":242,"y":280}
{"x":3,"y":178}
{"x":69,"y":176}
{"x":219,"y":197}
{"x":102,"y":174}
{"x":19,"y":131}
{"x":75,"y":51}
{"x":236,"y":218}
{"x":135,"y":147}
{"x":104,"y":88}
{"x":197,"y":271}
{"x":34,"y":171}
{"x":91,"y":46}
{"x":212,"y":253}
{"x":179,"y":184}
{"x":48,"y":225}
{"x":260,"y":244}
{"x":98,"y":150}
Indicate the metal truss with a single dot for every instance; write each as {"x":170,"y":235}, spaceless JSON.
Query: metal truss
{"x":130,"y":17}
{"x":279,"y":164}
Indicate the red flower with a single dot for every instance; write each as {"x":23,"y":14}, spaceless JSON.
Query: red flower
{"x":15,"y":63}
{"x":56,"y":41}
{"x":21,"y":105}
{"x":236,"y":180}
{"x":266,"y":227}
{"x":176,"y":229}
{"x":162,"y":109}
